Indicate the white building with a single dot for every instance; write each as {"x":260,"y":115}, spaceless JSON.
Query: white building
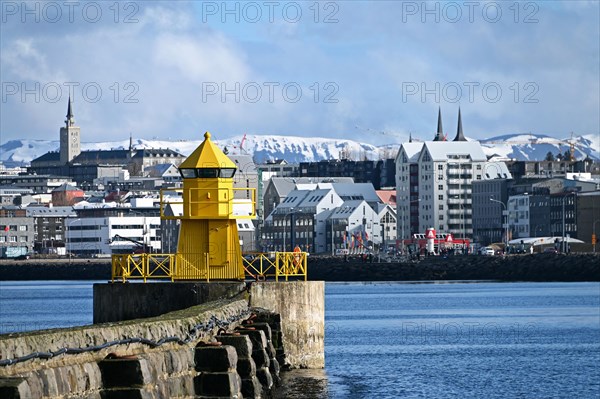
{"x":434,"y":183}
{"x":388,"y":223}
{"x":112,"y":234}
{"x":518,"y":216}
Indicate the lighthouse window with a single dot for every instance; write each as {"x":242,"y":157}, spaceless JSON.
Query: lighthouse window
{"x":188,"y":173}
{"x":227,"y":172}
{"x":204,"y":173}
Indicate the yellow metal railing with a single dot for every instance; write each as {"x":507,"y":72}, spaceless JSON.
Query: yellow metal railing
{"x":258,"y":266}
{"x":261,"y":266}
{"x":159,"y":266}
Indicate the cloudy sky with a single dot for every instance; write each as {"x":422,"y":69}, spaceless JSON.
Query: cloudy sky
{"x":370,"y":71}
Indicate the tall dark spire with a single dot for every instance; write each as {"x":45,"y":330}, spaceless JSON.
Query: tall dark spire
{"x":70,"y":118}
{"x":130,"y":141}
{"x":440,"y":133}
{"x":410,"y":137}
{"x":69,"y":110}
{"x":459,"y":132}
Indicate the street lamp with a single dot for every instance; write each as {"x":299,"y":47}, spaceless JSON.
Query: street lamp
{"x":506,"y":211}
{"x":562,"y":244}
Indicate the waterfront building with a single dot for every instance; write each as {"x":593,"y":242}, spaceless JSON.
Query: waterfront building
{"x":435,"y":183}
{"x":49,"y":227}
{"x":106,"y":229}
{"x":16,"y":230}
{"x":489,"y":217}
{"x":588,"y":215}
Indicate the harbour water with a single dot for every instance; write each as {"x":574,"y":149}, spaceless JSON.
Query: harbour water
{"x":392,"y":340}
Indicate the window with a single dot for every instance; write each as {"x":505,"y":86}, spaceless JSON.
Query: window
{"x":441,"y":207}
{"x":440,"y":187}
{"x":23,"y":239}
{"x":229,"y":172}
{"x":440,"y":197}
{"x":441,"y":217}
{"x":440,"y":167}
{"x":207,"y":173}
{"x":22,"y":228}
{"x":12,"y":239}
{"x":188,"y":173}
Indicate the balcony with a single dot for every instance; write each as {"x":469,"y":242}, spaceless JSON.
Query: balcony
{"x":458,"y":201}
{"x":460,"y":191}
{"x":460,"y":212}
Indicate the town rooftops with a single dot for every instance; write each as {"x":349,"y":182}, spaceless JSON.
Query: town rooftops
{"x":66,"y":187}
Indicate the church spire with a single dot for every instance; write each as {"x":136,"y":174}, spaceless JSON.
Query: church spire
{"x":70,"y":117}
{"x":130,"y":141}
{"x":459,"y":131}
{"x":440,"y":133}
{"x":410,"y":137}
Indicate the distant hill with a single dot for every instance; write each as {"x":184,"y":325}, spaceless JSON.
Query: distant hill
{"x":306,"y":149}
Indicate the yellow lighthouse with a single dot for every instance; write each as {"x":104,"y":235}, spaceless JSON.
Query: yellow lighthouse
{"x":209,"y":245}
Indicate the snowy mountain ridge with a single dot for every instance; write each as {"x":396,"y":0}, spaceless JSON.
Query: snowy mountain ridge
{"x":296,"y":149}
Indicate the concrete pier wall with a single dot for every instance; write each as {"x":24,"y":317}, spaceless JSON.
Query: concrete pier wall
{"x":127,"y":301}
{"x":301,"y":305}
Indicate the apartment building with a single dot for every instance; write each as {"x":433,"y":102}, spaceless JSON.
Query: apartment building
{"x":435,"y":183}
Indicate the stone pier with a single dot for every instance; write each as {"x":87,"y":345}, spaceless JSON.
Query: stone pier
{"x":228,"y":347}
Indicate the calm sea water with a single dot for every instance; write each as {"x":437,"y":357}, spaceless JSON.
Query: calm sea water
{"x":397,"y":340}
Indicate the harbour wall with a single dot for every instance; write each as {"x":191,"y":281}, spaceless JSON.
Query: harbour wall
{"x":537,"y":267}
{"x":224,"y":348}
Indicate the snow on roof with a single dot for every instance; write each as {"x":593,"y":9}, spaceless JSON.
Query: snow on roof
{"x":444,"y":150}
{"x":411,"y":150}
{"x":346,"y":210}
{"x":315,"y":197}
{"x":353,"y":190}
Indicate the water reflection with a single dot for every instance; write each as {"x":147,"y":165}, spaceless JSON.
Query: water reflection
{"x":303,"y":384}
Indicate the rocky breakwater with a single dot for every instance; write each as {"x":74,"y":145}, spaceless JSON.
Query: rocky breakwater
{"x":536,"y":267}
{"x":210,"y":350}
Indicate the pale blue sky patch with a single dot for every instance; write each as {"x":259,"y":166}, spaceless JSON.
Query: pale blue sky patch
{"x":371,"y":71}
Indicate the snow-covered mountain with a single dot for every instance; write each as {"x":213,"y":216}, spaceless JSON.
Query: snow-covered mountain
{"x":298,"y":149}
